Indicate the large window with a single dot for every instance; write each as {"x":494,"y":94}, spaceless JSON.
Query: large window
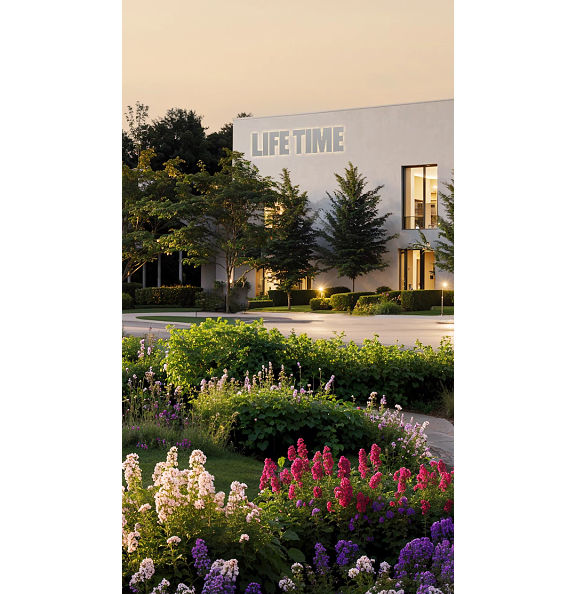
{"x":421,"y":197}
{"x":416,"y":270}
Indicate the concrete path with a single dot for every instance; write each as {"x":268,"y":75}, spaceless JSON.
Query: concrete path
{"x":397,"y":329}
{"x":440,"y":434}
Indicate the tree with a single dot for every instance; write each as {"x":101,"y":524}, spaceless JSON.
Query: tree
{"x":218,"y":141}
{"x":291,"y":246}
{"x":444,"y":250}
{"x":355,"y":236}
{"x":178,"y":134}
{"x":223,"y":223}
{"x":134,"y":141}
{"x":146,"y":195}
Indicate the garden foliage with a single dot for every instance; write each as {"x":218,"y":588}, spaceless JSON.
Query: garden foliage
{"x":347,"y":301}
{"x":320,"y":303}
{"x":410,"y":377}
{"x":182,"y":295}
{"x":298,"y":296}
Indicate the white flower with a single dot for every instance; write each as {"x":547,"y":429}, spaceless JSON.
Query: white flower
{"x":364,"y":564}
{"x":173,"y":540}
{"x":286,"y":584}
{"x":197,"y":458}
{"x":145,"y":572}
{"x":205,"y":484}
{"x":244,"y":538}
{"x":132,"y":472}
{"x":353,"y":572}
{"x":161,"y":587}
{"x":297,"y":568}
{"x":144,"y":508}
{"x":384,"y":567}
{"x":184,"y":589}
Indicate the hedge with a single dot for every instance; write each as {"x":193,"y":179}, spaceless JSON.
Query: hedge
{"x":319,"y":303}
{"x":299,"y":296}
{"x":328,"y":292}
{"x":383,"y":289}
{"x":127,"y":301}
{"x":365,"y":300}
{"x":182,"y":295}
{"x":411,"y":377}
{"x":347,"y":301}
{"x":423,"y":300}
{"x":260,"y":303}
{"x":130,"y":288}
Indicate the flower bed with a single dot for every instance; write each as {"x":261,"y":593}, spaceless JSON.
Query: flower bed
{"x":180,"y":536}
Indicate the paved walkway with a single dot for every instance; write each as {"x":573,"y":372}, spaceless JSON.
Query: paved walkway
{"x":440,"y":434}
{"x":397,"y":329}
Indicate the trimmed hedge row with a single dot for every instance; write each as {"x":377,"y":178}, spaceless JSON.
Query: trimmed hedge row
{"x":130,"y":288}
{"x":182,"y":295}
{"x":365,"y":300}
{"x":411,"y":377}
{"x":299,"y":296}
{"x":127,"y":301}
{"x":329,"y":291}
{"x":425,"y":299}
{"x":260,"y":303}
{"x":347,"y":301}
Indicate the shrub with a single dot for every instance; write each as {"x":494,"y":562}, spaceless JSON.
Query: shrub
{"x":142,"y":362}
{"x":257,"y":303}
{"x":180,"y":295}
{"x":127,"y":301}
{"x":270,"y":414}
{"x":347,"y":301}
{"x":298,"y":297}
{"x":130,"y":288}
{"x":423,"y":300}
{"x":319,"y":303}
{"x":393,"y":296}
{"x":383,"y":289}
{"x":365,"y":300}
{"x":210,"y":301}
{"x":411,"y":377}
{"x":162,"y":526}
{"x":385,"y":308}
{"x":328,"y":292}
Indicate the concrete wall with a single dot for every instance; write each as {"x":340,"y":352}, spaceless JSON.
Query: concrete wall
{"x":379,"y":141}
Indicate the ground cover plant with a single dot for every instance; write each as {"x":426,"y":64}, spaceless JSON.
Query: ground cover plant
{"x":412,"y":377}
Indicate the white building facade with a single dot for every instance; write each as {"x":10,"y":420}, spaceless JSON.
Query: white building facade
{"x":407,"y":148}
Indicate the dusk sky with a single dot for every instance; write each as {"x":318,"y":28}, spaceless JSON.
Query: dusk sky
{"x":269,"y":57}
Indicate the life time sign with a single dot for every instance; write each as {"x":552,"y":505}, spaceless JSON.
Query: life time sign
{"x":304,"y":141}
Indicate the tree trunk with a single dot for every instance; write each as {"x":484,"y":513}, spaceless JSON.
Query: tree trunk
{"x":289,"y":294}
{"x":353,"y":284}
{"x":227,"y":296}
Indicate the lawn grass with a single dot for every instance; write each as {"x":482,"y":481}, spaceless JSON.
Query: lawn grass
{"x":448,"y":311}
{"x":226,"y":469}
{"x":295,"y":309}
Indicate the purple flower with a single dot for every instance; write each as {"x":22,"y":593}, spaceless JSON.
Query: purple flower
{"x":389,"y":514}
{"x":253,"y":588}
{"x":321,"y":560}
{"x":200,"y":554}
{"x":346,"y":550}
{"x":315,"y":511}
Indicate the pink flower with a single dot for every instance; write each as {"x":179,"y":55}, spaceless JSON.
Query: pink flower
{"x":297,"y":470}
{"x":275,"y":483}
{"x":328,"y":461}
{"x":362,"y":463}
{"x":329,"y":506}
{"x":291,"y":491}
{"x":362,"y":502}
{"x":292,"y":453}
{"x":344,"y":493}
{"x":375,"y":480}
{"x":317,"y":471}
{"x":302,"y":451}
{"x":425,"y":506}
{"x":375,"y":452}
{"x":317,"y":492}
{"x":285,"y":476}
{"x":343,"y":467}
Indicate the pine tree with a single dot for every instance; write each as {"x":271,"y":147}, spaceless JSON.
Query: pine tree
{"x":291,"y":247}
{"x":355,"y":236}
{"x":444,"y":250}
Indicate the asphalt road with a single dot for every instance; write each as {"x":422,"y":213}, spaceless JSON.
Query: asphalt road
{"x":397,"y":329}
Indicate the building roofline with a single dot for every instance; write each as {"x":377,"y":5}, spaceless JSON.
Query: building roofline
{"x":283,"y":115}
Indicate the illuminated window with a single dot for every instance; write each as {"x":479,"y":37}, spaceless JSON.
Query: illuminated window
{"x":416,"y":270}
{"x":421,"y":197}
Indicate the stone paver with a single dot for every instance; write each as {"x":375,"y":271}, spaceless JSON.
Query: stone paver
{"x":440,"y":434}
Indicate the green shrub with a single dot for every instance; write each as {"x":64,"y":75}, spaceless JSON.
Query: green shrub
{"x":393,"y":296}
{"x":210,"y":301}
{"x":369,"y":300}
{"x":423,"y":300}
{"x":347,"y":301}
{"x":410,"y":377}
{"x":333,"y":290}
{"x":130,"y":288}
{"x":386,"y":308}
{"x":383,"y":289}
{"x":319,"y":303}
{"x":139,"y":356}
{"x":183,"y":296}
{"x":257,"y":303}
{"x":298,"y":297}
{"x":127,"y":301}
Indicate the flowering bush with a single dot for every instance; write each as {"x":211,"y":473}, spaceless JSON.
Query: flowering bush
{"x":320,"y":499}
{"x":161,"y":526}
{"x":272,"y":413}
{"x":140,"y":356}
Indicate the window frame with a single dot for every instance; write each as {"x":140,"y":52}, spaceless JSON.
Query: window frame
{"x":403,"y":198}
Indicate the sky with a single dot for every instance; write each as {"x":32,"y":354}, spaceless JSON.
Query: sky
{"x":266,"y":57}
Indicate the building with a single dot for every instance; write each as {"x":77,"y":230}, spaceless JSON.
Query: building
{"x":408,"y":148}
